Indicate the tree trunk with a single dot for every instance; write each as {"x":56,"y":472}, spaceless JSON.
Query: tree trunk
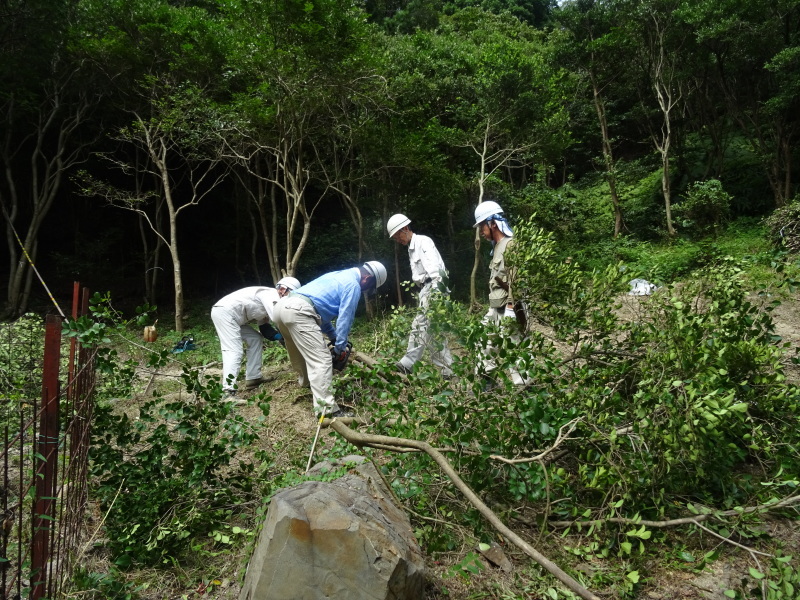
{"x":53,"y":152}
{"x":608,"y":155}
{"x":177,"y":276}
{"x":663,"y":76}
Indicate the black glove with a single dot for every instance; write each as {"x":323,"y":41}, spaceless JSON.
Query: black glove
{"x":270,"y":333}
{"x":340,"y":359}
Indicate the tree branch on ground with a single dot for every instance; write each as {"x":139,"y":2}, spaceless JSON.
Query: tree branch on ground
{"x":562,"y":436}
{"x":695,"y":519}
{"x":362,"y":439}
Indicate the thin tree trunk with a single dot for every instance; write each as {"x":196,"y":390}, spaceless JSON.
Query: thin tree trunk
{"x":608,"y":155}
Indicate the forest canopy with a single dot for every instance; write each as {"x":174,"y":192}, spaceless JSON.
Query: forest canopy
{"x":165,"y":150}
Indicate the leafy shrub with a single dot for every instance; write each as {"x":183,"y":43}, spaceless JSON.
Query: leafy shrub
{"x":639,"y":188}
{"x":574,"y":216}
{"x":105,"y":586}
{"x":705,"y":208}
{"x":21,"y":349}
{"x":697,"y":377}
{"x":170,"y":473}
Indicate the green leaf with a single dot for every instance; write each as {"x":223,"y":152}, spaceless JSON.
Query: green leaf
{"x":756,"y":574}
{"x":729,"y":593}
{"x":686,"y":556}
{"x":633,"y":576}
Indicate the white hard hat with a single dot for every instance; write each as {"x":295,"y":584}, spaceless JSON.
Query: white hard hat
{"x":377,"y":270}
{"x":485,"y":210}
{"x":396,"y":223}
{"x":289,"y":282}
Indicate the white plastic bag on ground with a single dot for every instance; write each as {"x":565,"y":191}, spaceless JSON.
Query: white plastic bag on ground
{"x":641,"y":287}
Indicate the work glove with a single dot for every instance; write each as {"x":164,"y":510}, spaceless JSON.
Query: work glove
{"x":339,"y":359}
{"x":270,"y":333}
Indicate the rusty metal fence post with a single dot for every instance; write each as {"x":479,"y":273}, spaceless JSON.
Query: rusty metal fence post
{"x":46,"y":455}
{"x":44,"y":464}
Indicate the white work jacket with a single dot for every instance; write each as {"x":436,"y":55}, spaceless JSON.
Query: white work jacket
{"x":427,"y":265}
{"x":251,"y":304}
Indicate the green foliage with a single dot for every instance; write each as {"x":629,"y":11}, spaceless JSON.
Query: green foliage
{"x":96,"y":331}
{"x":470,"y":564}
{"x":557,"y":291}
{"x":169,"y":474}
{"x":780,"y":580}
{"x":105,"y":586}
{"x":705,"y":208}
{"x":575,"y":216}
{"x":21,"y":349}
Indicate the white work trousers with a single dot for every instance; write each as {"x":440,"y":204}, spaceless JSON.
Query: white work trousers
{"x":299,"y":323}
{"x":500,"y":318}
{"x":421,"y":338}
{"x":231,"y":335}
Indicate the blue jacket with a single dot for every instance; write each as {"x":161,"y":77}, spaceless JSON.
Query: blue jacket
{"x":335,"y":296}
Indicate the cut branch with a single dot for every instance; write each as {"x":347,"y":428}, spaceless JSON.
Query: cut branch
{"x":562,"y":436}
{"x":694,"y":519}
{"x":362,"y":439}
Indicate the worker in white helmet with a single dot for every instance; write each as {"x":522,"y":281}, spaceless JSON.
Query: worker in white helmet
{"x":306,"y":316}
{"x":232,"y":317}
{"x":429,"y":273}
{"x":494,"y":227}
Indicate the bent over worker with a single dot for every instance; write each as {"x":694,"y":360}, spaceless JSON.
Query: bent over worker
{"x":232,"y":316}
{"x":429,"y":273}
{"x":308,"y":312}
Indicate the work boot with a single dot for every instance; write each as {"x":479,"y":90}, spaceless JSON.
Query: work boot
{"x":230,"y":396}
{"x":342,"y":412}
{"x":253,"y":383}
{"x":401,"y":368}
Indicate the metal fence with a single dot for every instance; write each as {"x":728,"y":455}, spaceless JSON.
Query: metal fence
{"x":44,"y":456}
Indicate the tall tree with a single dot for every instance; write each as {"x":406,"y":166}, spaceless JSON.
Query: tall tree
{"x":306,"y":76}
{"x":664,"y":57}
{"x":167,"y":61}
{"x":184,"y":156}
{"x":46,"y":98}
{"x":659,"y":34}
{"x":596,"y":50}
{"x":755,"y":51}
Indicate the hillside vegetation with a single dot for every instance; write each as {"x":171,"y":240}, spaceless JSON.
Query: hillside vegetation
{"x":653,"y":454}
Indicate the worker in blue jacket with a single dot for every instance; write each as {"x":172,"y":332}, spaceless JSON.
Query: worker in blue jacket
{"x":305,"y":317}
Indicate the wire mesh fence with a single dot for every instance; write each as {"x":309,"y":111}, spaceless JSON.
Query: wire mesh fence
{"x":45,"y":428}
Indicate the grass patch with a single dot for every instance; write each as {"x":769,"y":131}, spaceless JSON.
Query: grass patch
{"x":745,"y":240}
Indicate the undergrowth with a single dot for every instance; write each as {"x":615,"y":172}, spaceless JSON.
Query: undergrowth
{"x":635,"y":441}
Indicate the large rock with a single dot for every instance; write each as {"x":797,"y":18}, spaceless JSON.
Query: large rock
{"x":336,"y":540}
